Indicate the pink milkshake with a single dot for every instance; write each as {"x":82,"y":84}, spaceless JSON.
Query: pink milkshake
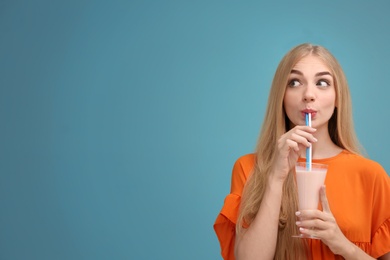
{"x":309,"y":184}
{"x":309,"y":180}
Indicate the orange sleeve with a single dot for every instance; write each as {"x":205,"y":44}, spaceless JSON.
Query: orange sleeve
{"x":381,"y":215}
{"x":225,"y":224}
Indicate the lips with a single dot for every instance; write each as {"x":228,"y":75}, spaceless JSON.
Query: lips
{"x":309,"y":111}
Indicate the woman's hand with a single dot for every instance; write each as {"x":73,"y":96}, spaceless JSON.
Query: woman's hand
{"x":289,"y":147}
{"x":322,"y":225}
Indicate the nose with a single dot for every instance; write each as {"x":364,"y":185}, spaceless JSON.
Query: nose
{"x":309,"y":94}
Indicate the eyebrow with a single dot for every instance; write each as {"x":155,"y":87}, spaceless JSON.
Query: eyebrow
{"x":323,"y":73}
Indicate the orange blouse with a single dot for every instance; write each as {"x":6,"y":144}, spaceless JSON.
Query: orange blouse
{"x":358,"y":191}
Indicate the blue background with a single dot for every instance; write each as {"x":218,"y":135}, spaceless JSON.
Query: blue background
{"x":121,"y":120}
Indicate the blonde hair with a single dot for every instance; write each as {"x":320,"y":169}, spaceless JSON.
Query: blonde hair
{"x":276,"y":124}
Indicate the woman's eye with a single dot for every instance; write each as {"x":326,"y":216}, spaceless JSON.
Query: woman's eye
{"x":323,"y":83}
{"x":294,"y":83}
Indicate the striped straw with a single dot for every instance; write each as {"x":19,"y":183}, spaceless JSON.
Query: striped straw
{"x":308,"y":150}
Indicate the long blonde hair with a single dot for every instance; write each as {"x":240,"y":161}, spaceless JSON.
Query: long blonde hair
{"x":276,"y":124}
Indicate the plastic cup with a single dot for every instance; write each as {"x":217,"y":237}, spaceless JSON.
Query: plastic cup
{"x":309,"y":183}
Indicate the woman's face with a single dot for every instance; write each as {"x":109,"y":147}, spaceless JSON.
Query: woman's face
{"x":310,"y":89}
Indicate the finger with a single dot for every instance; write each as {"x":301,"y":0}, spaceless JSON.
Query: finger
{"x":324,"y":218}
{"x":313,"y":233}
{"x":299,"y":131}
{"x":296,"y":137}
{"x":318,"y":224}
{"x":292,"y":145}
{"x":324,"y":200}
{"x":310,"y":214}
{"x":309,"y":136}
{"x":306,"y":128}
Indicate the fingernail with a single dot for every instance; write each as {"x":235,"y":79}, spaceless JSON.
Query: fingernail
{"x":297,"y":213}
{"x":315,"y":139}
{"x":298,"y":223}
{"x":301,"y":229}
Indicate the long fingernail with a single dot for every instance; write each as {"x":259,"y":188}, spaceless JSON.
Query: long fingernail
{"x":297,"y":213}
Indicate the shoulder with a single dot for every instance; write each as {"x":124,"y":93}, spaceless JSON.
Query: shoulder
{"x":246,"y":159}
{"x":359,"y":161}
{"x":245,"y":163}
{"x":242,"y":168}
{"x":363,"y":165}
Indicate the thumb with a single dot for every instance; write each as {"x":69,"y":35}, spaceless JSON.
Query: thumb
{"x":324,"y":199}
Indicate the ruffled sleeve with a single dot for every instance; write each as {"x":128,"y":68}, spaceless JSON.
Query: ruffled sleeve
{"x":381,"y":215}
{"x":225,"y":224}
{"x":381,"y":240}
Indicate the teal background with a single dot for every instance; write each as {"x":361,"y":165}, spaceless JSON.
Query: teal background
{"x":121,"y":120}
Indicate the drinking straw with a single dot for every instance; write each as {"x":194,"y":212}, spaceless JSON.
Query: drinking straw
{"x":308,"y":150}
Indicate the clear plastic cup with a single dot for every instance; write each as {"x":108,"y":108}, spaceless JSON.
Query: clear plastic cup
{"x":309,"y":180}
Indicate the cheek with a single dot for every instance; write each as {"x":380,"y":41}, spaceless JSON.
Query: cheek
{"x":332,"y":97}
{"x":330,"y":101}
{"x":289,"y":99}
{"x":289,"y":103}
{"x":328,"y":106}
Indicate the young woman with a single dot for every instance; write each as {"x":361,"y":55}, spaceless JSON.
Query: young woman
{"x":260,"y":215}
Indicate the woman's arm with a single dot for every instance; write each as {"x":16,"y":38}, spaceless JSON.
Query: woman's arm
{"x":356,"y":253}
{"x":264,"y":228}
{"x":258,"y":241}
